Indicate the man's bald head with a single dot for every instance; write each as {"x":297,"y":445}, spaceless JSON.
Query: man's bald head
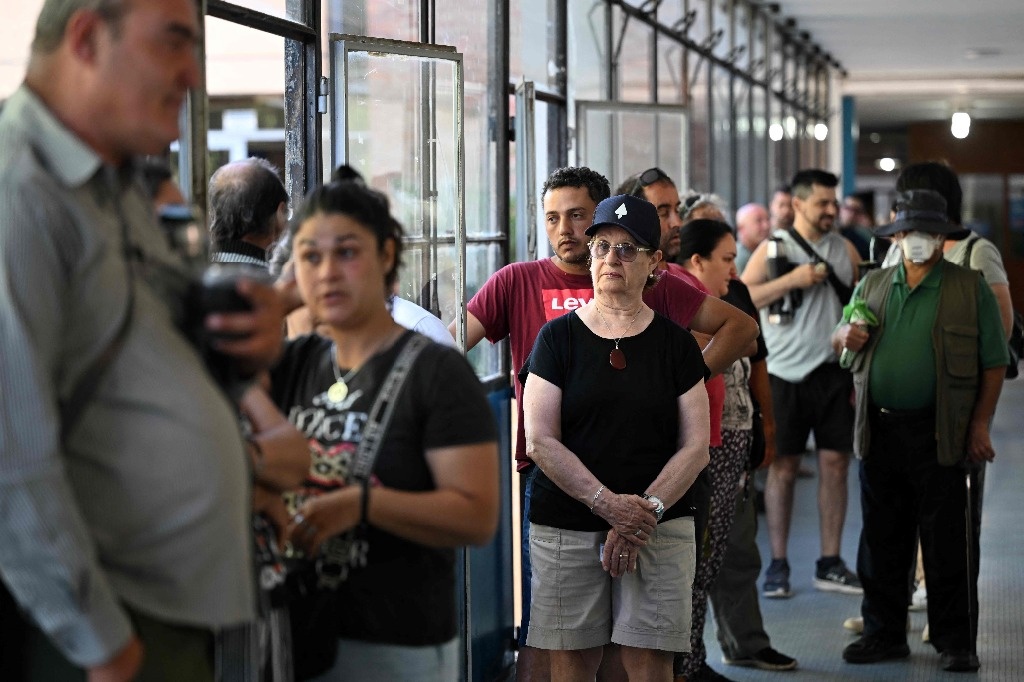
{"x":753,"y":225}
{"x":246,"y":200}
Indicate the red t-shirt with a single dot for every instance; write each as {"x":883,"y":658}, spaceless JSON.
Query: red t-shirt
{"x":516,"y":301}
{"x":715,"y":385}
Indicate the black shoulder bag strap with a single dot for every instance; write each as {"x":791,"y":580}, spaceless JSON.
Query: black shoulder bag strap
{"x":352,"y":548}
{"x":383,"y":410}
{"x":842,"y":291}
{"x":71,"y":408}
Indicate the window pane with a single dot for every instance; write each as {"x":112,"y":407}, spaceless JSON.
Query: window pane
{"x":759,"y":149}
{"x":670,"y":70}
{"x":634,"y":68}
{"x":468,"y":26}
{"x":744,"y":164}
{"x":275,"y":8}
{"x":722,"y":135}
{"x":394,"y":20}
{"x":245,"y":82}
{"x":620,"y":141}
{"x":587,"y":51}
{"x":532,"y":42}
{"x":700,"y":129}
{"x":481,"y":261}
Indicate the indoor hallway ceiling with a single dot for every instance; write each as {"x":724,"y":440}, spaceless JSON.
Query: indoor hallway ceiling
{"x":920,"y":60}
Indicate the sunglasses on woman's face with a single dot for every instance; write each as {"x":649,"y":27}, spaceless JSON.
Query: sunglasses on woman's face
{"x":625,"y":251}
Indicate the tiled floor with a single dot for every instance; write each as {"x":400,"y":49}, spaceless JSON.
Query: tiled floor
{"x":809,"y":625}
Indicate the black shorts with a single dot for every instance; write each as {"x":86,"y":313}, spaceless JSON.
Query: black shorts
{"x":822,"y":402}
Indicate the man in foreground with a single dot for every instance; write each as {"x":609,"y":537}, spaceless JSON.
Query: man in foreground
{"x":124,"y":484}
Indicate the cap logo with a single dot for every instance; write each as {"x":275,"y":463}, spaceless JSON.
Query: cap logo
{"x":620,"y":211}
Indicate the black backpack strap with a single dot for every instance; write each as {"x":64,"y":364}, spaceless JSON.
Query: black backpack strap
{"x":842,"y":291}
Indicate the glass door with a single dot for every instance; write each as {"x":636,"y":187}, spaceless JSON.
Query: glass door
{"x":398,"y":120}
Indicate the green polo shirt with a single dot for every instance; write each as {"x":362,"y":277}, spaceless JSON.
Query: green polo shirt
{"x":903,"y":367}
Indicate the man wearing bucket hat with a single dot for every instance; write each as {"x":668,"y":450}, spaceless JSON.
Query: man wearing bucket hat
{"x":927,"y":381}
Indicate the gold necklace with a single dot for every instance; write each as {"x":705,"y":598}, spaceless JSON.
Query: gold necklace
{"x":616,"y":358}
{"x":338,"y":391}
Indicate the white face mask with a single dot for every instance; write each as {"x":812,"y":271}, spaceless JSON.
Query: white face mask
{"x":918,"y":247}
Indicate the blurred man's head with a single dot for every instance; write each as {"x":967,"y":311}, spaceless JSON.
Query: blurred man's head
{"x":753,"y":225}
{"x":854,"y":212}
{"x":702,"y":206}
{"x":248,"y":202}
{"x":780,"y":210}
{"x":657,"y":187}
{"x":116,"y":71}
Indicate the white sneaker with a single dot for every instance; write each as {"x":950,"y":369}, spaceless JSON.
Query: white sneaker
{"x":919,"y":600}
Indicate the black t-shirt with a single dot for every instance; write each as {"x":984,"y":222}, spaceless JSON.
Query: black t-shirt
{"x":739,"y":296}
{"x":406,"y":592}
{"x":622,"y":424}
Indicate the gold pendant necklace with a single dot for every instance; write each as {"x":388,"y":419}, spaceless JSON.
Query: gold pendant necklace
{"x":339,"y":389}
{"x":616,"y":358}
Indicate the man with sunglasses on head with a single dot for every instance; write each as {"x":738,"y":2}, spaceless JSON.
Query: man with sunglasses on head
{"x":519,"y":299}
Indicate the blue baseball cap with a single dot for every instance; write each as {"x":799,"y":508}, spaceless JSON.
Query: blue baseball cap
{"x":636,"y":216}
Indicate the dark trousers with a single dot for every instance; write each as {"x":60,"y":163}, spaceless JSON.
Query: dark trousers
{"x":906,"y":494}
{"x":734,"y":594}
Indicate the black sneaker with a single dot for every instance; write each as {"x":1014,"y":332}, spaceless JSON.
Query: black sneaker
{"x":872,"y":649}
{"x":959,"y":661}
{"x":706,"y":673}
{"x":776,"y":580}
{"x":837,"y":578}
{"x":765,"y":659}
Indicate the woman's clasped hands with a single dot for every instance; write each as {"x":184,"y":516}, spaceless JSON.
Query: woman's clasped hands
{"x":632,"y":521}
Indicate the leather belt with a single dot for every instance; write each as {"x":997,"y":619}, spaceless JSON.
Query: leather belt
{"x":888,"y":416}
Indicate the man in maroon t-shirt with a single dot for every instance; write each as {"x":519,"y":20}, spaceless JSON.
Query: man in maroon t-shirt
{"x":520,"y":298}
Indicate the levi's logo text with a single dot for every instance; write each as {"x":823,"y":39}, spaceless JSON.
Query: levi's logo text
{"x":558,"y":302}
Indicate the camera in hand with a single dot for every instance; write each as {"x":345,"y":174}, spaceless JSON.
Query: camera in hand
{"x":216,"y":291}
{"x":778,"y":264}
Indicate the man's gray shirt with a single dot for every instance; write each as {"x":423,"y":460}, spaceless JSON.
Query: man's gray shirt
{"x":146,"y":500}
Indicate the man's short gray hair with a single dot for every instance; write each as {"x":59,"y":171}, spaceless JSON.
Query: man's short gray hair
{"x":53,"y":19}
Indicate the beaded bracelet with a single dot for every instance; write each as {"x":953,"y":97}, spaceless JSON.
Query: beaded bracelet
{"x":593,"y":501}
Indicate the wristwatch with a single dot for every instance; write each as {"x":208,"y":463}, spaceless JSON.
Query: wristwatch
{"x":659,"y":509}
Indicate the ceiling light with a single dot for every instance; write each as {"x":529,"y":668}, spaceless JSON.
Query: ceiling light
{"x":961,"y":125}
{"x":820,"y":132}
{"x":775,"y":132}
{"x":887,"y":164}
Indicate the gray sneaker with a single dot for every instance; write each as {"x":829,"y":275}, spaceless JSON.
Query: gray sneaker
{"x":776,"y":580}
{"x":837,"y":578}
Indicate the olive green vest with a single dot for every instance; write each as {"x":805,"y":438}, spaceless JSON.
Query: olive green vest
{"x":957,"y":369}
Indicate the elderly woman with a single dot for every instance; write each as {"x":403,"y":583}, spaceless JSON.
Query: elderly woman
{"x":616,"y":418}
{"x":384,"y":541}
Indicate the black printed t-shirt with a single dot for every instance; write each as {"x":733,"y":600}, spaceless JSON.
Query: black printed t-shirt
{"x":406,"y":593}
{"x":622,"y":424}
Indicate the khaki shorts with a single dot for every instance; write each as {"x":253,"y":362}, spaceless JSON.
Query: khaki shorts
{"x":576,"y":604}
